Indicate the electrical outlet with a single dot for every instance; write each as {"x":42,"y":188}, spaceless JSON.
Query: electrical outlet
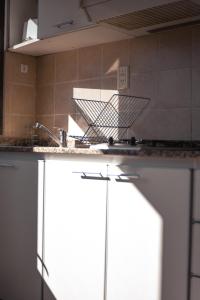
{"x":123,"y":78}
{"x":24,"y":68}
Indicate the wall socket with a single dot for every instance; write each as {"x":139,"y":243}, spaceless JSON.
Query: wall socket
{"x":123,"y":78}
{"x":24,"y":68}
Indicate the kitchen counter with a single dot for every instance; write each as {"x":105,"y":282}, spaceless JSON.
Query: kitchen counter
{"x":131,"y":151}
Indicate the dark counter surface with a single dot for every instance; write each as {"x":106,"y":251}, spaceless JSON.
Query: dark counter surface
{"x":161,"y":153}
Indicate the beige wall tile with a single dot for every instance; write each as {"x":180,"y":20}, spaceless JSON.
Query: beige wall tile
{"x":88,"y":89}
{"x":109,"y":83}
{"x":196,"y":124}
{"x":145,"y":85}
{"x":114,"y":55}
{"x":19,"y":95}
{"x":66,"y":66}
{"x":196,"y":87}
{"x":13,"y":72}
{"x":21,"y":126}
{"x":144,"y":54}
{"x":46,"y":69}
{"x":80,"y":121}
{"x":45,"y":100}
{"x":46,"y":120}
{"x":175,"y":49}
{"x":108,"y":88}
{"x":89,"y":62}
{"x":7,"y":125}
{"x":6,"y":102}
{"x":22,"y":100}
{"x":61,"y":121}
{"x":196,"y":46}
{"x":76,"y":125}
{"x":63,"y":98}
{"x":163,"y":124}
{"x":174,"y":89}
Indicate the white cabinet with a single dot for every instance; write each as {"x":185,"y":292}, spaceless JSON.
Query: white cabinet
{"x":148,"y":233}
{"x":19,"y":279}
{"x":119,"y":237}
{"x":195,"y":282}
{"x":57,"y":17}
{"x":74,"y":230}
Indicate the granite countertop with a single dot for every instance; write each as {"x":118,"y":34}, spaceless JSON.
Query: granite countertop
{"x":24,"y":146}
{"x":161,"y":153}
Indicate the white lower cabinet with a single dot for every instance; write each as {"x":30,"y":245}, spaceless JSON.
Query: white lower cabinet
{"x":74,"y":230}
{"x":19,"y":278}
{"x":148,"y":232}
{"x":119,"y":239}
{"x":195,"y":282}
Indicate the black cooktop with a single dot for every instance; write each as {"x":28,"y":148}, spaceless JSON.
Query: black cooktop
{"x":163,"y":144}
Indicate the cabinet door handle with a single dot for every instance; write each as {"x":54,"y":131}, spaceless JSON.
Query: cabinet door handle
{"x":126,"y":177}
{"x":7,"y":165}
{"x":195,"y":275}
{"x":64,"y":24}
{"x":92,"y":176}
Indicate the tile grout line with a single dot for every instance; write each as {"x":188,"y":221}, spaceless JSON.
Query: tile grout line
{"x":191,"y":91}
{"x":54,"y":92}
{"x":101,"y":72}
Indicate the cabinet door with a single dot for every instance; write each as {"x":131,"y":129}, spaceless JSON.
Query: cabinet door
{"x":148,"y":231}
{"x":195,"y":285}
{"x":74,"y":231}
{"x":19,"y":279}
{"x":56,"y":17}
{"x":195,"y":289}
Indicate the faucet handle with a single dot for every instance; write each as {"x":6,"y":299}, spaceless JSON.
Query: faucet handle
{"x":63,"y":137}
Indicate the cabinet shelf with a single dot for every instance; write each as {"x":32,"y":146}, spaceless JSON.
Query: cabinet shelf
{"x":95,"y":35}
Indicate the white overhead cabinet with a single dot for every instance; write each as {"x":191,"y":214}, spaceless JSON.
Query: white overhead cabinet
{"x":19,"y":278}
{"x":120,"y":233}
{"x":61,"y":16}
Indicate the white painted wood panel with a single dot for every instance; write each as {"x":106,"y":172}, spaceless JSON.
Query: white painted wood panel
{"x":19,"y":278}
{"x":148,"y":235}
{"x":74,"y":229}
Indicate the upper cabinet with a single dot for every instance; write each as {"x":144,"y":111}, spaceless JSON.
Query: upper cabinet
{"x":65,"y":24}
{"x":58,"y":17}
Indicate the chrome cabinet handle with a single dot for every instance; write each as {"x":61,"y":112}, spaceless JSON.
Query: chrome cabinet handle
{"x":64,"y":24}
{"x":92,"y":176}
{"x":7,"y":165}
{"x":195,"y":275}
{"x":128,"y":177}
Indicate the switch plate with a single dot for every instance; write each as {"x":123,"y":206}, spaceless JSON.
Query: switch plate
{"x":123,"y":77}
{"x":24,"y":68}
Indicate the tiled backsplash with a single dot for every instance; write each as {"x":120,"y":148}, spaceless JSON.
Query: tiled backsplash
{"x":19,"y":95}
{"x":163,"y":66}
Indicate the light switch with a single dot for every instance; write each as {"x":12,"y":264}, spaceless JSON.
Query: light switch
{"x":24,"y":68}
{"x":123,"y":78}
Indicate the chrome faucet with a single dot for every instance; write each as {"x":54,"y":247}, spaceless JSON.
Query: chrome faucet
{"x":61,"y":141}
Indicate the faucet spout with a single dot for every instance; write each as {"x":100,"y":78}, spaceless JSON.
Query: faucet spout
{"x":61,"y":141}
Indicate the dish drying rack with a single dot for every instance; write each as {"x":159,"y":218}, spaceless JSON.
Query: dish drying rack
{"x":109,"y":119}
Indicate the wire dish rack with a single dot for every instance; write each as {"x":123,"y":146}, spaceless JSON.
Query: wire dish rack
{"x":109,"y":119}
